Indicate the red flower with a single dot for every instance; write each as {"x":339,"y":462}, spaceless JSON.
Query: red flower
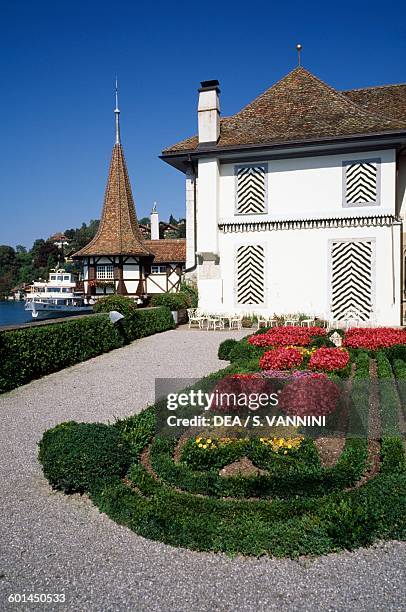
{"x":286,"y":336}
{"x":329,"y":359}
{"x":280,"y":359}
{"x":233,"y":392}
{"x":312,"y":395}
{"x":374,"y":338}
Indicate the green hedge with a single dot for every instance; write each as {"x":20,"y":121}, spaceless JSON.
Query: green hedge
{"x":29,"y":353}
{"x":78,"y":456}
{"x":120,"y":303}
{"x":305,"y":476}
{"x":392,"y":445}
{"x":225,"y":348}
{"x":173,"y":301}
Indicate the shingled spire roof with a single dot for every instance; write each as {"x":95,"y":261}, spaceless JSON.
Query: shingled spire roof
{"x":118,"y":233}
{"x":300,"y":107}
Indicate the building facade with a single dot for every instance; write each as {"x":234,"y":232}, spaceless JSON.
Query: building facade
{"x":295,"y":204}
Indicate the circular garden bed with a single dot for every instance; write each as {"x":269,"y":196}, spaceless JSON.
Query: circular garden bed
{"x":269,"y":490}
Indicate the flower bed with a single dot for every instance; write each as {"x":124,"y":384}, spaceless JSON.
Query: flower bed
{"x":329,"y":359}
{"x":313,"y":394}
{"x":374,"y":338}
{"x":287,"y":336}
{"x":280,"y":359}
{"x":177,"y":490}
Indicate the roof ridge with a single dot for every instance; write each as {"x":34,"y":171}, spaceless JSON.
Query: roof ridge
{"x":373,"y":87}
{"x":329,"y":88}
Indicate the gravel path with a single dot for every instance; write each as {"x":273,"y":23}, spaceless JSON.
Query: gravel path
{"x":52,"y":543}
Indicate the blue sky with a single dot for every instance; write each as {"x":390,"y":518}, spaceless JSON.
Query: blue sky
{"x":59,"y":60}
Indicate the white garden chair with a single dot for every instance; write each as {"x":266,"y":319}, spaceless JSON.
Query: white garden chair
{"x":215,"y":321}
{"x":235,"y":321}
{"x":308,"y":322}
{"x":352,"y":318}
{"x":195,"y":316}
{"x":294,"y":320}
{"x":266,"y":321}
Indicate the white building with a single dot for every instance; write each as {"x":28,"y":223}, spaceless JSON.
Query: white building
{"x":294,"y":204}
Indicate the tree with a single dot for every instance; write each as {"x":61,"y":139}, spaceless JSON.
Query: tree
{"x":45,"y":254}
{"x":8,"y":268}
{"x":172,"y":220}
{"x":144,"y":221}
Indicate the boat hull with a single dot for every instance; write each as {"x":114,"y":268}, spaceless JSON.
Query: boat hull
{"x":42,"y":310}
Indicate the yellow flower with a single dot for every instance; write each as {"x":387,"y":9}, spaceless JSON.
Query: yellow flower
{"x":204,"y":445}
{"x":200,"y":445}
{"x":285,"y":452}
{"x":208,"y":441}
{"x":198,"y":439}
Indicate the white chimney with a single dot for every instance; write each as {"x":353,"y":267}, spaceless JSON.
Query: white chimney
{"x":154,"y":223}
{"x":209,"y":112}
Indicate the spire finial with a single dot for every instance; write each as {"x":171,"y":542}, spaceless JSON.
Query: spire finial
{"x":117,"y":113}
{"x":154,"y":210}
{"x":299,"y":50}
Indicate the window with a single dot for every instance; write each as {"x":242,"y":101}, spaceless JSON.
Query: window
{"x":250,"y":274}
{"x":158,"y":269}
{"x":251,"y":189}
{"x":105,"y":272}
{"x":361,"y":182}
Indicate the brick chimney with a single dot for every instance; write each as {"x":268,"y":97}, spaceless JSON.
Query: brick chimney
{"x":154,"y":223}
{"x":209,"y":112}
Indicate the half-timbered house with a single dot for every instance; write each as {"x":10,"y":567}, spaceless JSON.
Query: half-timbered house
{"x":119,"y":259}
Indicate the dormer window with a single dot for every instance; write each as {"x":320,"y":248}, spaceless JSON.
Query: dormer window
{"x":251,"y":189}
{"x":361,"y":182}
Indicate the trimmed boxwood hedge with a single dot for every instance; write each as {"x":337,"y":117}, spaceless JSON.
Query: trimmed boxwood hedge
{"x":77,"y":456}
{"x":305,"y":477}
{"x":297,"y":525}
{"x":225,"y":347}
{"x":29,"y":353}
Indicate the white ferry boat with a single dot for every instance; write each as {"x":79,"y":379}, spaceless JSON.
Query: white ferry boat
{"x":55,"y":297}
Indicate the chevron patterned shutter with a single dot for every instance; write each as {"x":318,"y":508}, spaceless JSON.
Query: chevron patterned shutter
{"x":351,"y":282}
{"x":250,"y":274}
{"x":251,"y":189}
{"x":361,"y":182}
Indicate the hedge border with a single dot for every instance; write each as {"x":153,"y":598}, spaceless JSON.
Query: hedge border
{"x":29,"y":353}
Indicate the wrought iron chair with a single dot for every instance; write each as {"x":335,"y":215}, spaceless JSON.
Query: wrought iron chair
{"x":294,"y":320}
{"x":215,"y":321}
{"x":235,"y":321}
{"x":195,"y":316}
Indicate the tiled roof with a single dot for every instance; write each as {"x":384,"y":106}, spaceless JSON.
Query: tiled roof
{"x":388,"y":100}
{"x":57,"y":236}
{"x":301,"y":107}
{"x":118,"y":232}
{"x":167,"y":250}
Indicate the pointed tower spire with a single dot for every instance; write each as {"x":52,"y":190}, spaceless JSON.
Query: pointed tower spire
{"x":117,"y":113}
{"x":119,"y":232}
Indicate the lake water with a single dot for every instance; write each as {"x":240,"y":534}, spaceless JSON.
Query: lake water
{"x":13,"y":312}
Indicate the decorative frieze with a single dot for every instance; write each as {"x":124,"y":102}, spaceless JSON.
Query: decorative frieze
{"x":289,"y":224}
